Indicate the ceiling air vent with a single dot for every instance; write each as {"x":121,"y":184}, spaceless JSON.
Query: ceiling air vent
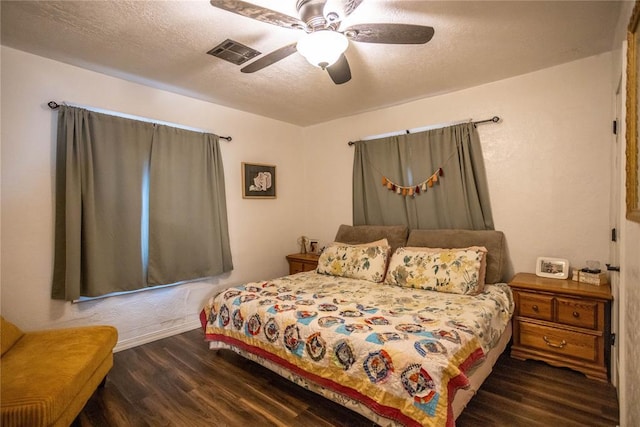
{"x":234,"y":52}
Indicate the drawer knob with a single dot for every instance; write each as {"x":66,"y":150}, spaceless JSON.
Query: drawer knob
{"x":554,"y":345}
{"x":576,"y":314}
{"x":535,"y":308}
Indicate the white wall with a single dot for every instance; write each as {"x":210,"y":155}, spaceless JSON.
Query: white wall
{"x":262,"y":232}
{"x":547,"y":162}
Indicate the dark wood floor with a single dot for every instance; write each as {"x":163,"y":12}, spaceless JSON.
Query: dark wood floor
{"x":178,"y":381}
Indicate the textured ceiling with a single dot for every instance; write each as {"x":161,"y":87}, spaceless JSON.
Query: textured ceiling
{"x":164,"y":44}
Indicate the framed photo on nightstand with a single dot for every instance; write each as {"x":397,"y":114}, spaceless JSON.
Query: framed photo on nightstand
{"x":554,"y":268}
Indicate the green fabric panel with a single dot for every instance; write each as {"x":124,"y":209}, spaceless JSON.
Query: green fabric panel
{"x":188,"y":232}
{"x":100,"y":165}
{"x":107,"y":167}
{"x":460,"y":199}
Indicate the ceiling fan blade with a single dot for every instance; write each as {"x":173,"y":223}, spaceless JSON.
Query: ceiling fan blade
{"x":390,"y":33}
{"x":258,"y":13}
{"x":340,"y":72}
{"x":270,"y":58}
{"x":350,"y":6}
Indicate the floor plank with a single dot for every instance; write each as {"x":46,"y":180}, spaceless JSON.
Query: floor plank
{"x":178,"y":382}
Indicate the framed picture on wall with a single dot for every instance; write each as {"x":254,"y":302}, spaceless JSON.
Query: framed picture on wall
{"x":258,"y":181}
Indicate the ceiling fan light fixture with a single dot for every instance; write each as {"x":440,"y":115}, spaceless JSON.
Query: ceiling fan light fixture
{"x":322,"y":48}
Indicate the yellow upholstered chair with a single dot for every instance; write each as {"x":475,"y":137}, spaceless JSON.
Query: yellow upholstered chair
{"x":46,"y":377}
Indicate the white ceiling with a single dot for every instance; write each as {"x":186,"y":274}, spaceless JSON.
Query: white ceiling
{"x":164,"y":44}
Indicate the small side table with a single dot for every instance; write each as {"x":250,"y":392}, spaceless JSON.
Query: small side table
{"x":302,"y":262}
{"x":563,"y":323}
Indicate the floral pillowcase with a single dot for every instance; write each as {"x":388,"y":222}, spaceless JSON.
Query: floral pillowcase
{"x":367,"y":261}
{"x":457,"y":271}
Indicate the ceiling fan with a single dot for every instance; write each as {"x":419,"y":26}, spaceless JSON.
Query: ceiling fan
{"x":323,"y":43}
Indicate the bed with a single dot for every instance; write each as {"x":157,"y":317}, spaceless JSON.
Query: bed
{"x":400,"y":326}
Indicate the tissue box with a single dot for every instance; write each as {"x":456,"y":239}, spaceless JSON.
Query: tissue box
{"x":575,"y":274}
{"x":592,"y":278}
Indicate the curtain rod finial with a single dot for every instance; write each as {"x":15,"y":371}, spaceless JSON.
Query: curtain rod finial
{"x":53,"y":105}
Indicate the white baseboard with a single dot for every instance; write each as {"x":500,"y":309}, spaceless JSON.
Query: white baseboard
{"x":154,"y":336}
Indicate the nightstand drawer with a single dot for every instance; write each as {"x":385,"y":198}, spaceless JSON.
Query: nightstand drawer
{"x":295,"y":267}
{"x":309,"y":267}
{"x":535,"y":306}
{"x":299,"y":263}
{"x":578,"y":312}
{"x":559,"y":341}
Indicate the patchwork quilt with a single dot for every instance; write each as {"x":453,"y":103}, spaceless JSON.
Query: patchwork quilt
{"x":400,"y":352}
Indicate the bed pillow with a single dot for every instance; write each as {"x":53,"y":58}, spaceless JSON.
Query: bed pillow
{"x":457,"y":271}
{"x":366,"y":261}
{"x":483,"y":262}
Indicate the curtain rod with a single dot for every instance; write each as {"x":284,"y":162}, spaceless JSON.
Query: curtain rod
{"x":54,"y":106}
{"x":494,"y":119}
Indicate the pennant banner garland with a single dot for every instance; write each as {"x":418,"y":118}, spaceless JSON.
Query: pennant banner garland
{"x":414,"y":189}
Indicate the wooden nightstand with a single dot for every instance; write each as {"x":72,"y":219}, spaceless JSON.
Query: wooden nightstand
{"x":302,"y":262}
{"x":563,"y":323}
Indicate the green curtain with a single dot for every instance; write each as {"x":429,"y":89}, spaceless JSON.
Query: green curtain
{"x":460,"y":198}
{"x":104,"y":182}
{"x":188,"y":232}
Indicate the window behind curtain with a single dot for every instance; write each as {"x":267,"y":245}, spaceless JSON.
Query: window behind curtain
{"x":459,"y":200}
{"x":124,"y":186}
{"x":188,"y":235}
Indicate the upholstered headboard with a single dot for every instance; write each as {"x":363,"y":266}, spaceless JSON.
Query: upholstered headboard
{"x":355,"y":234}
{"x":399,"y":235}
{"x":494,"y":241}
